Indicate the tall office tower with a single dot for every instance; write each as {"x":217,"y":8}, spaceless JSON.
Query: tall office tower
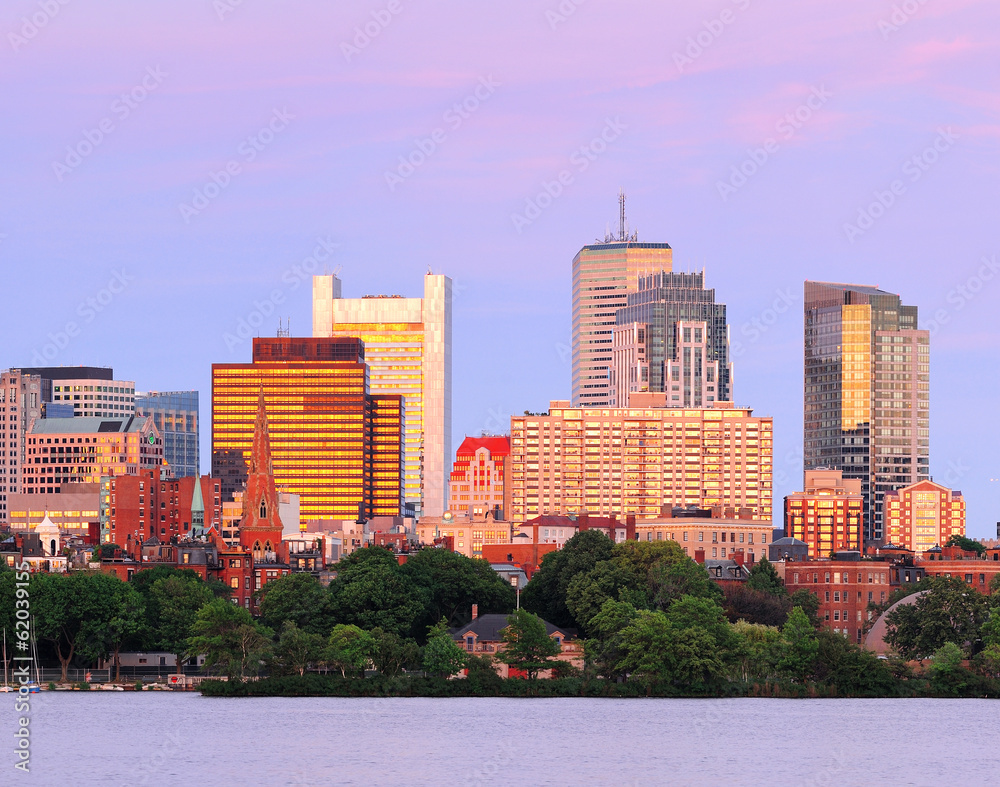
{"x":866,"y":392}
{"x":408,"y":351}
{"x":175,"y":414}
{"x":51,"y":392}
{"x":826,"y":514}
{"x":331,"y":442}
{"x":635,"y":460}
{"x":673,"y":322}
{"x":82,"y":450}
{"x":603,"y":276}
{"x":923,"y":515}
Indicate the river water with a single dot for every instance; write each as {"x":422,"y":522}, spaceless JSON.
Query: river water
{"x":161,"y":738}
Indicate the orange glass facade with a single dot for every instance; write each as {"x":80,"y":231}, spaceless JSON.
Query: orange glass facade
{"x":332,"y":443}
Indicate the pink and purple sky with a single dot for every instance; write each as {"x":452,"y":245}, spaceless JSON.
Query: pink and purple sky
{"x":867,"y":134}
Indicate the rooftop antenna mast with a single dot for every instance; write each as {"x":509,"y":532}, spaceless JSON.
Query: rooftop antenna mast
{"x":624,"y":236}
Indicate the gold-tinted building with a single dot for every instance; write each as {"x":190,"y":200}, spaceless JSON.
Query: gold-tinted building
{"x":828,"y":514}
{"x":867,"y":391}
{"x":634,"y":460}
{"x":923,"y":515}
{"x":332,"y":443}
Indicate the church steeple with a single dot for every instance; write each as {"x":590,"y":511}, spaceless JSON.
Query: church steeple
{"x":260,"y":528}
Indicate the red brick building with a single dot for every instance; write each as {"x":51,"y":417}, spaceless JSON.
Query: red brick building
{"x":211,"y":559}
{"x":844,"y":589}
{"x":527,"y":557}
{"x":145,"y":504}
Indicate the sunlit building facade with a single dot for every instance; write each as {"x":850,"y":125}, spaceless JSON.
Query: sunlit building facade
{"x":828,"y":515}
{"x":408,"y":351}
{"x":332,"y":443}
{"x":620,"y":461}
{"x":603,"y":276}
{"x":866,"y":392}
{"x":478,"y":475}
{"x":923,"y":515}
{"x":81,"y":450}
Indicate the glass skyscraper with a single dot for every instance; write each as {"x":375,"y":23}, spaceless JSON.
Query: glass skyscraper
{"x":660,"y":302}
{"x":175,"y":414}
{"x":332,"y":443}
{"x":866,"y":392}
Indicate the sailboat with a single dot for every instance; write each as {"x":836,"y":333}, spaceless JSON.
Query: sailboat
{"x":6,"y":683}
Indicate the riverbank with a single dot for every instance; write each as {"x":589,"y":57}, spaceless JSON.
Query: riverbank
{"x":314,"y":685}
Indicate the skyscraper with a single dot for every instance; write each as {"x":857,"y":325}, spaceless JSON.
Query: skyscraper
{"x":330,"y":442}
{"x":684,"y":337}
{"x":866,"y":391}
{"x":175,"y":414}
{"x":408,"y":352}
{"x":603,"y":276}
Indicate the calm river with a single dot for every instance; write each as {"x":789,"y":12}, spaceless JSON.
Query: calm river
{"x":185,"y":739}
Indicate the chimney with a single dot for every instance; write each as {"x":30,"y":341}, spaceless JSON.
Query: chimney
{"x":699,"y":555}
{"x":475,"y":611}
{"x":666,"y":511}
{"x":738,"y":558}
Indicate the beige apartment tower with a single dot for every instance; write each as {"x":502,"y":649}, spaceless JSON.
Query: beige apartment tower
{"x":603,"y":276}
{"x":408,"y":351}
{"x":635,"y":460}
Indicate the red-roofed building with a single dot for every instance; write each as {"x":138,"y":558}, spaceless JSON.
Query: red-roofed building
{"x":482,"y":464}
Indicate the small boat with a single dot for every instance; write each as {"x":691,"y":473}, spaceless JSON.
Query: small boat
{"x":33,"y":688}
{"x":7,"y":688}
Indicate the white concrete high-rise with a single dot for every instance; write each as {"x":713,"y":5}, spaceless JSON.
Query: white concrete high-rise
{"x":408,"y":352}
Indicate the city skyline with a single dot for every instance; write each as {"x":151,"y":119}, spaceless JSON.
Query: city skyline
{"x":852,"y":108}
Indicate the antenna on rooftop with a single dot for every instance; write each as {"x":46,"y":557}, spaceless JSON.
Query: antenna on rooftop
{"x":623,"y":229}
{"x":286,"y":332}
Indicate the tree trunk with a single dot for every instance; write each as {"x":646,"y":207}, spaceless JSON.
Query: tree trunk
{"x":64,"y":662}
{"x":179,"y":668}
{"x":118,"y":666}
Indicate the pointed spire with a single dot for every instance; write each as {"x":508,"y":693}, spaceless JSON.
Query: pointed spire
{"x":260,"y":457}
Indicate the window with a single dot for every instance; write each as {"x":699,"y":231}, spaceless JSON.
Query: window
{"x":234,"y":583}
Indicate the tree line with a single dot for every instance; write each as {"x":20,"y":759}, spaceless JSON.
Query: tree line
{"x":650,"y":618}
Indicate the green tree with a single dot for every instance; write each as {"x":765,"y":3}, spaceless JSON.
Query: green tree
{"x":755,"y":606}
{"x":860,"y":673}
{"x":950,"y":611}
{"x":527,"y":645}
{"x":808,"y":602}
{"x":605,"y":648}
{"x":587,"y":591}
{"x":372,"y":591}
{"x":391,"y":654}
{"x":349,"y":649}
{"x":764,"y":576}
{"x":296,"y":650}
{"x":966,"y":543}
{"x":300,"y":599}
{"x":704,"y":614}
{"x":177,"y":599}
{"x":452,"y":583}
{"x":946,"y":672}
{"x":71,"y":611}
{"x":682,"y":577}
{"x":227,"y":635}
{"x":126,"y":622}
{"x":799,"y":645}
{"x":545,"y":594}
{"x":988,"y":659}
{"x":646,"y":649}
{"x":755,"y":651}
{"x":442,"y":656}
{"x":644,"y":558}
